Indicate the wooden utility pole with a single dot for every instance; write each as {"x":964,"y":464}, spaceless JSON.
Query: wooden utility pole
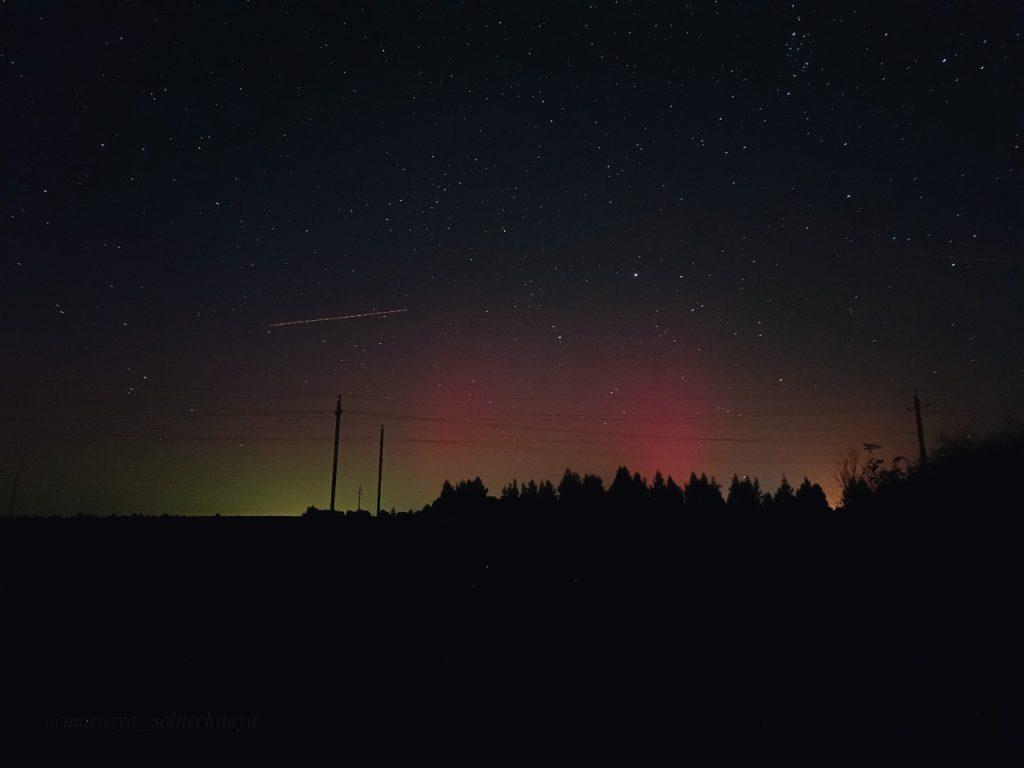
{"x":14,"y":494}
{"x":380,"y":467}
{"x":359,"y":500}
{"x":920,"y":430}
{"x":337,"y":431}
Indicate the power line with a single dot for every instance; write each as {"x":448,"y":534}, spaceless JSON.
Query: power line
{"x":232,"y":391}
{"x":137,"y":416}
{"x":527,"y":446}
{"x":659,"y":416}
{"x":603,"y":438}
{"x":559,"y":430}
{"x":207,"y":410}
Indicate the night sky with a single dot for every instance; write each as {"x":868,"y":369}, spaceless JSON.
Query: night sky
{"x":723,"y":237}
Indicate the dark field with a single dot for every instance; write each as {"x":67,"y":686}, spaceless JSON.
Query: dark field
{"x":412,"y":634}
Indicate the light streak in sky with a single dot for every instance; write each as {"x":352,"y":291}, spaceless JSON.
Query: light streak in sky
{"x":341,"y":317}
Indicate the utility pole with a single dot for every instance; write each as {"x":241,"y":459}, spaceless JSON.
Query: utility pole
{"x":920,"y":430}
{"x":380,"y":467}
{"x":359,"y":500}
{"x":337,"y":431}
{"x":14,"y":493}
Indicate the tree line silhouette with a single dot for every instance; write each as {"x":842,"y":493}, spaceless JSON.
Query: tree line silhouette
{"x":628,"y":492}
{"x":963,"y":472}
{"x":969,"y":478}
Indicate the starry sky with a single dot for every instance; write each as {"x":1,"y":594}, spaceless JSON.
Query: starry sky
{"x":723,"y":237}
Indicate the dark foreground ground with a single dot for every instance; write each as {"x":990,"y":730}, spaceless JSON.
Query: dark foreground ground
{"x":832,"y":638}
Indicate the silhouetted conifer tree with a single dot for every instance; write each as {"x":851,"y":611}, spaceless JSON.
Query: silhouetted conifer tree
{"x":510,"y":493}
{"x":673,"y":492}
{"x":638,"y":490}
{"x":593,"y":492}
{"x":546,"y":493}
{"x":784,"y":499}
{"x":810,"y":498}
{"x":665,"y":495}
{"x":703,"y":495}
{"x":570,"y":490}
{"x":466,"y":496}
{"x":619,"y":489}
{"x":744,"y":495}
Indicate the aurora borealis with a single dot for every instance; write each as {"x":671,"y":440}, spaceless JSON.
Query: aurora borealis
{"x":727,"y":237}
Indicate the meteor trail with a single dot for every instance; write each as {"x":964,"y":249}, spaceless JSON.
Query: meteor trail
{"x":341,"y":317}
